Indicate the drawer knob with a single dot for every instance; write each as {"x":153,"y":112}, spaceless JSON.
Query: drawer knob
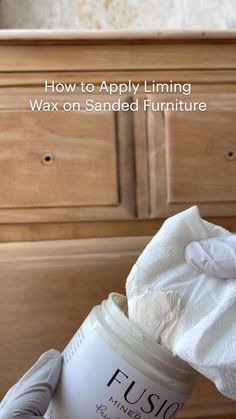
{"x":47,"y":158}
{"x":230,"y":154}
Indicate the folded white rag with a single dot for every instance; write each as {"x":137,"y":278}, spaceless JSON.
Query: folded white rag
{"x":190,"y":312}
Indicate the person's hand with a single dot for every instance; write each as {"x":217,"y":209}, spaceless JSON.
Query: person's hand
{"x":30,"y":397}
{"x":215,"y":256}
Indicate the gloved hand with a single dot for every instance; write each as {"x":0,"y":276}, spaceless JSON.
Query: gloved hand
{"x":30,"y":397}
{"x":214,"y":256}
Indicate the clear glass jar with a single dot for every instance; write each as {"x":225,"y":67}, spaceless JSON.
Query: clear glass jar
{"x":113,"y":370}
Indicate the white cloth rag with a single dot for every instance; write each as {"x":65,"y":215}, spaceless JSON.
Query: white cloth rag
{"x":190,"y":312}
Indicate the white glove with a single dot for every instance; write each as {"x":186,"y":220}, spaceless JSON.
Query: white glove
{"x":30,"y":397}
{"x":215,"y":256}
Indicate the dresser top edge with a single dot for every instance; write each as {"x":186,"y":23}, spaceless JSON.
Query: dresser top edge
{"x":13,"y":37}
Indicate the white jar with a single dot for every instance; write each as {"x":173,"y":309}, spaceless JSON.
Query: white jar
{"x":113,"y":370}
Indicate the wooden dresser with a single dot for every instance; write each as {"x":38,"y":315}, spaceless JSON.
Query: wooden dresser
{"x":81,"y":193}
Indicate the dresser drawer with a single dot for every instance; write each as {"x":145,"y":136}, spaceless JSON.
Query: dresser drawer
{"x":192,"y":160}
{"x":57,"y":159}
{"x":64,"y":166}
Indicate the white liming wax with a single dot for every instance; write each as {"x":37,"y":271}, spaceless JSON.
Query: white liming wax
{"x":157,"y":313}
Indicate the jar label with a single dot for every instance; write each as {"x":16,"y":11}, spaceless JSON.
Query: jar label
{"x":96,"y":382}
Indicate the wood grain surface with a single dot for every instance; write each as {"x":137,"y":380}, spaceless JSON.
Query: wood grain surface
{"x":57,"y":159}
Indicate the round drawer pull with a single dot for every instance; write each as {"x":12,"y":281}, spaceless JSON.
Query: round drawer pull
{"x":230,"y":154}
{"x":47,"y":158}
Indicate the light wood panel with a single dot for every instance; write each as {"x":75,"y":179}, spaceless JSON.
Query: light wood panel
{"x":86,"y":229}
{"x":139,"y":57}
{"x":57,"y":159}
{"x":64,"y":166}
{"x":47,"y":289}
{"x":223,"y":79}
{"x":201,"y":156}
{"x":192,"y":158}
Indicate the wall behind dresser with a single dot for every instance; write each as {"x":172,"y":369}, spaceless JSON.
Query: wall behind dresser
{"x":118,"y":14}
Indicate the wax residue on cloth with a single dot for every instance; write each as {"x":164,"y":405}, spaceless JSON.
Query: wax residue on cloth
{"x":157,"y":312}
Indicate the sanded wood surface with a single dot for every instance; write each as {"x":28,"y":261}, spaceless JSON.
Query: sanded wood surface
{"x":64,"y":159}
{"x":64,"y":166}
{"x":192,"y":159}
{"x":48,"y":288}
{"x":139,"y":57}
{"x":201,"y":168}
{"x":216,"y":80}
